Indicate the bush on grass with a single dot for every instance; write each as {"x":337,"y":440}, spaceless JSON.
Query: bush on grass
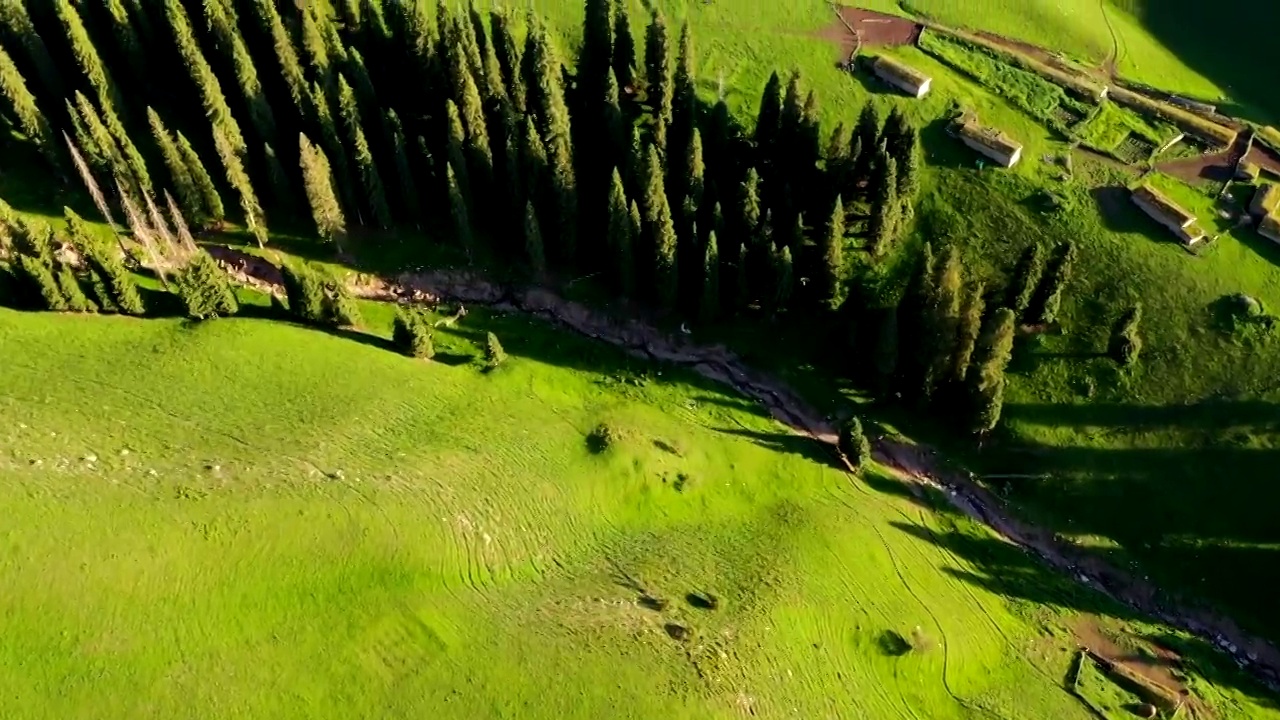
{"x":413,"y":334}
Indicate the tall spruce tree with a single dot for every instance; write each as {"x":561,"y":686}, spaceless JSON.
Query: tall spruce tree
{"x":31,"y":121}
{"x":968,"y":329}
{"x":662,"y":238}
{"x":206,"y":82}
{"x":622,"y":262}
{"x":286,"y":54}
{"x":886,"y":212}
{"x":831,"y":279}
{"x":86,"y":55}
{"x":370,"y":178}
{"x":17,"y":22}
{"x":213,"y":211}
{"x":1025,"y":280}
{"x":534,"y":251}
{"x":709,"y":307}
{"x":404,"y":168}
{"x":597,"y":47}
{"x":624,"y":46}
{"x":222,"y":22}
{"x":986,"y":376}
{"x":179,"y":174}
{"x":866,"y":140}
{"x":459,"y":213}
{"x":546,"y":101}
{"x":913,"y":325}
{"x":769,"y":119}
{"x":1045,"y":303}
{"x":658,"y":76}
{"x":254,"y":218}
{"x":508,"y":54}
{"x":317,"y":180}
{"x":943,"y":319}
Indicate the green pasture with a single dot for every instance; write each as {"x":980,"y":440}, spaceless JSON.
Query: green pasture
{"x":244,"y":517}
{"x":1215,"y":52}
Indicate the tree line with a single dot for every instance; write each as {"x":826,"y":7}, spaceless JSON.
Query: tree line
{"x":471,"y":127}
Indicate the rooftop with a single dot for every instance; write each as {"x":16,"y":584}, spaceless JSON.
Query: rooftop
{"x":1160,"y":202}
{"x":907,"y":74}
{"x":990,"y":137}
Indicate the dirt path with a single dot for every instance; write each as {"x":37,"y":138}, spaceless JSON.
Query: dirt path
{"x":911,"y":462}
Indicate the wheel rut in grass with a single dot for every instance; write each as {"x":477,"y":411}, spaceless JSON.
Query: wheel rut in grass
{"x":909,"y":461}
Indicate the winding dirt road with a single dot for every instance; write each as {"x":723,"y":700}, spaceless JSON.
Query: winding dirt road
{"x":910,"y":462}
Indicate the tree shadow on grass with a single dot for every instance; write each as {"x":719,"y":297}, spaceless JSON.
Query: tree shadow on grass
{"x":789,"y":443}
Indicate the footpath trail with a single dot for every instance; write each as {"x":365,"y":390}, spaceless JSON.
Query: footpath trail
{"x":910,"y":462}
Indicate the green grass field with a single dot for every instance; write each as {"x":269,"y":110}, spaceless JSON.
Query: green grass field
{"x":262,"y":520}
{"x":283,"y":522}
{"x":1183,"y":46}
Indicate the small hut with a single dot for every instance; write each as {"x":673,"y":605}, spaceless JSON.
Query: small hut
{"x":992,"y":143}
{"x":1269,"y":228}
{"x":905,"y":78}
{"x":1169,"y":214}
{"x":1265,"y":200}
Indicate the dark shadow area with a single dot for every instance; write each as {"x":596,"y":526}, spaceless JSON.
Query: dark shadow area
{"x":942,"y":149}
{"x":452,"y":359}
{"x":1119,"y":214}
{"x":1206,"y":415}
{"x":893,"y":644}
{"x":702,"y":601}
{"x":787,"y":442}
{"x":649,"y":602}
{"x":676,"y":631}
{"x":666,"y":447}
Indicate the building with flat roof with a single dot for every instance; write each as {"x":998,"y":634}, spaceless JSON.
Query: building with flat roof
{"x":992,"y":143}
{"x":905,"y":78}
{"x":1169,"y":214}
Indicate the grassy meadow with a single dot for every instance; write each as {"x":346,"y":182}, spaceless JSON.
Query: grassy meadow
{"x":1206,"y":51}
{"x":248,"y":518}
{"x":257,"y":519}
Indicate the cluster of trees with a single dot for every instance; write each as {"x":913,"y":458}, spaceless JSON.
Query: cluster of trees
{"x":948,"y":342}
{"x":468,"y":125}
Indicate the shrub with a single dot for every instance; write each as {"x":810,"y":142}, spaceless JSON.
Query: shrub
{"x":37,"y":286}
{"x":412,"y":333}
{"x":601,"y":438}
{"x":74,"y":295}
{"x":205,"y":289}
{"x":340,"y":309}
{"x":305,"y":292}
{"x":1126,"y":343}
{"x":494,"y":355}
{"x":114,"y":281}
{"x":853,"y":443}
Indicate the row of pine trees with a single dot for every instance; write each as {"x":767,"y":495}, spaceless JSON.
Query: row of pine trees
{"x":474,"y":129}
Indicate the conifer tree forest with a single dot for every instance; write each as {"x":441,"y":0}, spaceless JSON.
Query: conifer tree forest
{"x":472,"y":127}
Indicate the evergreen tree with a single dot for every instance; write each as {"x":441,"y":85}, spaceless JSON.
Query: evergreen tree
{"x":597,"y":46}
{"x":404,"y":168}
{"x":222,"y":23}
{"x":412,"y":333}
{"x":886,"y":211}
{"x":657,"y":60}
{"x":215,"y":103}
{"x":534,"y":252}
{"x":133,"y":160}
{"x":986,"y":376}
{"x":121,"y":292}
{"x":179,"y":174}
{"x":1126,"y":341}
{"x":213,"y":211}
{"x":853,"y":444}
{"x":99,"y":138}
{"x":624,"y":47}
{"x":1026,"y":278}
{"x":546,"y":100}
{"x":749,"y":214}
{"x":317,"y":180}
{"x":968,"y":329}
{"x":665,"y":244}
{"x":205,"y":289}
{"x":1044,"y":304}
{"x":254,"y":219}
{"x":31,"y":121}
{"x":508,"y":54}
{"x":533,"y":169}
{"x":741,"y":280}
{"x":769,"y":120}
{"x":15,"y":19}
{"x":36,"y":281}
{"x":340,"y":309}
{"x":784,"y":279}
{"x":72,"y":293}
{"x":86,"y":55}
{"x":908,"y":157}
{"x":621,"y":239}
{"x":375,"y":195}
{"x":683,"y":109}
{"x":943,"y":319}
{"x":305,"y":292}
{"x":494,"y":355}
{"x":286,"y":55}
{"x":459,"y":213}
{"x":867,"y":139}
{"x":281,"y":188}
{"x":913,"y":325}
{"x":831,"y":281}
{"x":709,"y":308}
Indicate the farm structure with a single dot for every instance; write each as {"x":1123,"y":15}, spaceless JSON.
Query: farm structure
{"x":1265,"y":200}
{"x":1269,"y":228}
{"x":905,"y":78}
{"x":1169,"y":214}
{"x":992,"y":143}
